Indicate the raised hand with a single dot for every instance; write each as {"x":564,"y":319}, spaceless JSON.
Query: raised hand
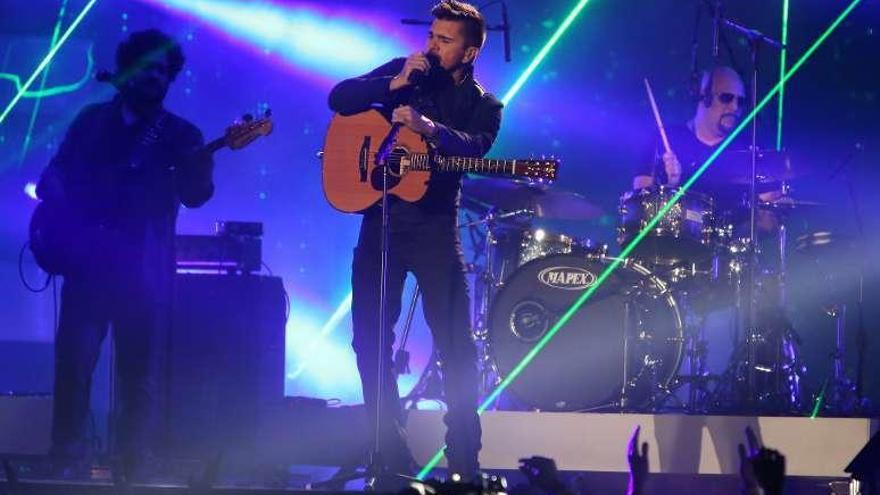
{"x":638,"y":463}
{"x":542,"y":473}
{"x":762,"y":469}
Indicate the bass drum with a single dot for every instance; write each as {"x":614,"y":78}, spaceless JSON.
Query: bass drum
{"x":582,"y":367}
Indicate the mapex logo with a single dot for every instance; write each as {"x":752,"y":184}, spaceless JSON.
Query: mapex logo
{"x":566,"y":277}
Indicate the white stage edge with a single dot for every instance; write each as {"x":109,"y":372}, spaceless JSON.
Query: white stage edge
{"x":678,"y":443}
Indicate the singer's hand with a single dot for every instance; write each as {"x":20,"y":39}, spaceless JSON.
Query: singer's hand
{"x":415,"y":62}
{"x":412,"y":119}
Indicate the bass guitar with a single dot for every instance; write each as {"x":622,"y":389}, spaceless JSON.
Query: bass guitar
{"x":61,"y":241}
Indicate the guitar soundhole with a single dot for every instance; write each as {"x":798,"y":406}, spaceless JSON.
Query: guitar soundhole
{"x":393,"y":172}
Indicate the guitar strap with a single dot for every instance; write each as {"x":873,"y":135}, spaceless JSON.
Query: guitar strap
{"x":148,"y":139}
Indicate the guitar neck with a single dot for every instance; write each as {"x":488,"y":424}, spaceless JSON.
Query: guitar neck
{"x":215,"y":145}
{"x":482,"y":166}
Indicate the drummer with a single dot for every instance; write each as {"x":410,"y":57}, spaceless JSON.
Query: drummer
{"x":719,"y":108}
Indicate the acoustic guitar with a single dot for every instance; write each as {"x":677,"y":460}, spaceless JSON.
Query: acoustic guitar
{"x":353,"y":180}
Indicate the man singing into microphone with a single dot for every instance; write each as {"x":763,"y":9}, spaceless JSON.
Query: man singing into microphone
{"x":435,"y":95}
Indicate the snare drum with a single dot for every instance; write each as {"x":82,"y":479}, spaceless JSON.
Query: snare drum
{"x":684,"y":234}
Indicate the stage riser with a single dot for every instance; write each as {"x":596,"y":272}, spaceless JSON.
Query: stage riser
{"x":593,"y":482}
{"x":678,"y":444}
{"x":578,"y":442}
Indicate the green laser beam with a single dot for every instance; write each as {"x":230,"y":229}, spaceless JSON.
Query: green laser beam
{"x":76,"y":22}
{"x":819,"y":401}
{"x":56,"y":90}
{"x":36,"y":110}
{"x":521,"y":80}
{"x":782,"y":74}
{"x":541,"y":344}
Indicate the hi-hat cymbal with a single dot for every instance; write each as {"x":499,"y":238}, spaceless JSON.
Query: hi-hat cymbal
{"x":735,"y":167}
{"x":544,"y":201}
{"x":789,"y":203}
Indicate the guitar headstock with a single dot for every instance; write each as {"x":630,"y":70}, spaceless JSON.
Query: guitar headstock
{"x":243,"y":133}
{"x":542,"y":170}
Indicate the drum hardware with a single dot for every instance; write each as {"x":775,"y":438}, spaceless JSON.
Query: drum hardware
{"x":429,"y":384}
{"x":771,"y":351}
{"x":839,"y":395}
{"x":697,"y":377}
{"x":838,"y":392}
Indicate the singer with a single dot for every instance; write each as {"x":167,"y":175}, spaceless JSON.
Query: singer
{"x":433,"y":93}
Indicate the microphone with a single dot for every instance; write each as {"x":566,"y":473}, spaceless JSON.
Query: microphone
{"x":505,"y":27}
{"x":420,"y":77}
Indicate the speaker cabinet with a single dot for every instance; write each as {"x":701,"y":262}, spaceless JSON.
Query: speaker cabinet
{"x":226,"y":360}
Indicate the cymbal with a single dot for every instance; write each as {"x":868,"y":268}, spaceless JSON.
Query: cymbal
{"x":541,"y":199}
{"x":814,"y":242}
{"x":735,"y":167}
{"x":787,"y":202}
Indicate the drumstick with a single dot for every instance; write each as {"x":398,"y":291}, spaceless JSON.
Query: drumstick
{"x":657,"y":117}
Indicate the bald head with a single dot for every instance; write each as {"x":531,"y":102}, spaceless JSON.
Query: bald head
{"x":722,"y":98}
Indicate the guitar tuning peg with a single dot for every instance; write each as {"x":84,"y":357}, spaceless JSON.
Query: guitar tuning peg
{"x":267,"y":113}
{"x":247,"y":117}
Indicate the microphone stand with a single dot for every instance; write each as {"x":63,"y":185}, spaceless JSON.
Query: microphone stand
{"x":755,"y":38}
{"x":375,"y":464}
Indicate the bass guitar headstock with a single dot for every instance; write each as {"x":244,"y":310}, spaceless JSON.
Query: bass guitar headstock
{"x":244,"y":132}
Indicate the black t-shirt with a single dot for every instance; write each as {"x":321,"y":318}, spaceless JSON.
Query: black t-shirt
{"x":130,"y":181}
{"x":721,"y":180}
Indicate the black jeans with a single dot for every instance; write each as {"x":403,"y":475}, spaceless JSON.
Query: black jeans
{"x":89,"y":308}
{"x":427,"y":246}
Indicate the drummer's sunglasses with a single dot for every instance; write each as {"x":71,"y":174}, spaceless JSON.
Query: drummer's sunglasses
{"x":727,"y":98}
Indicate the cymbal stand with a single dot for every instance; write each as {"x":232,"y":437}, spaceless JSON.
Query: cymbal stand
{"x":695,"y":341}
{"x":753,"y":337}
{"x":488,"y":279}
{"x":839,"y":390}
{"x":430,"y":384}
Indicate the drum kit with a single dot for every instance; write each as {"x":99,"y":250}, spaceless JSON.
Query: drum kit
{"x":666,"y":331}
{"x":691,"y":320}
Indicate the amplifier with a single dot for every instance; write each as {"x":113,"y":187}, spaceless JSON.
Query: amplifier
{"x":224,"y":253}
